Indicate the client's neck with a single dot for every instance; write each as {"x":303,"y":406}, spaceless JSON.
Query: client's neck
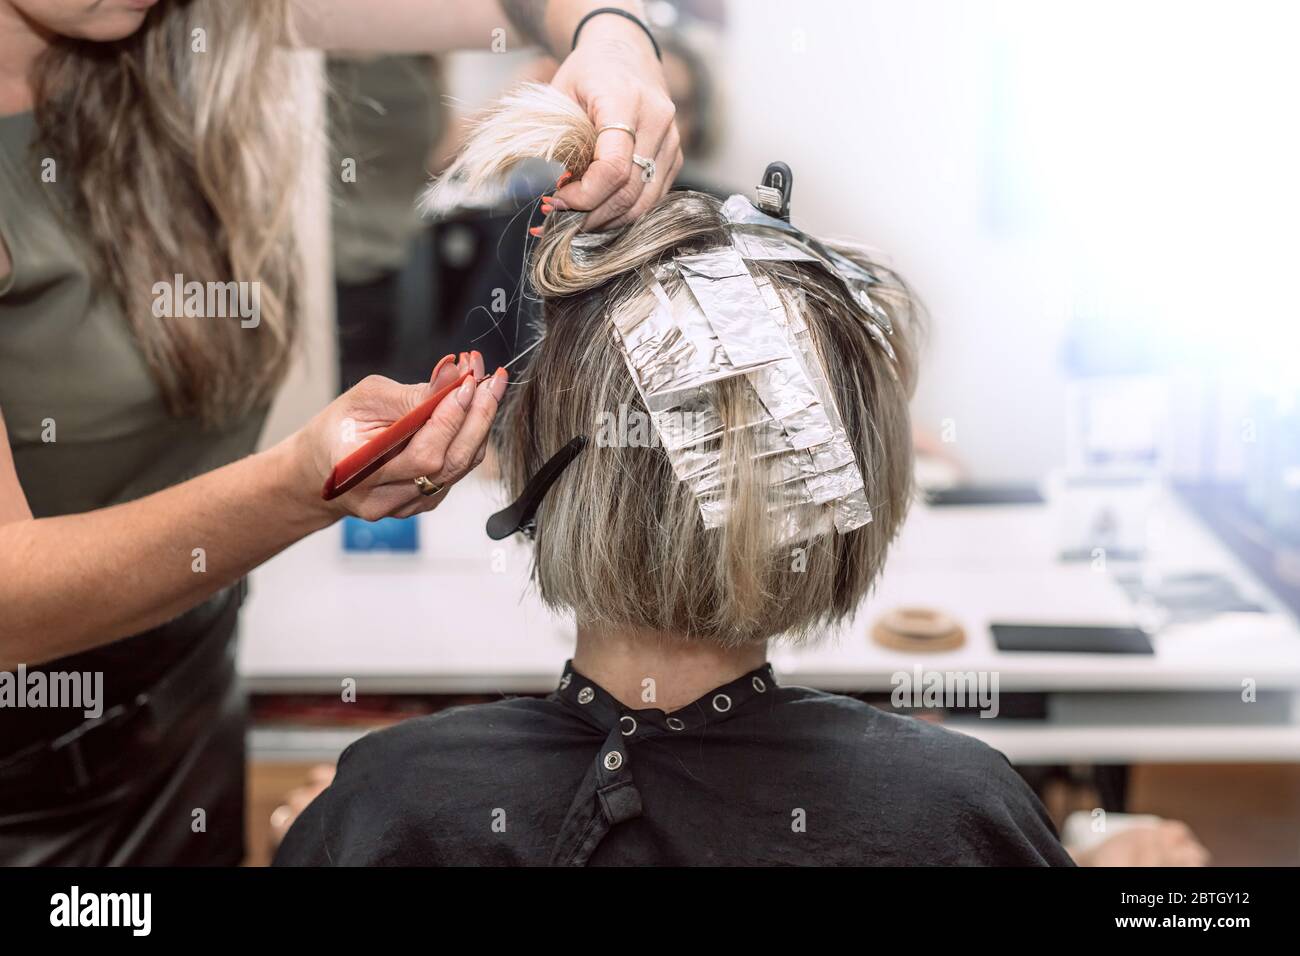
{"x":682,"y":671}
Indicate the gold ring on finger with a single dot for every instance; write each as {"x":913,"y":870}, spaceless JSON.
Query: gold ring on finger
{"x":428,"y":488}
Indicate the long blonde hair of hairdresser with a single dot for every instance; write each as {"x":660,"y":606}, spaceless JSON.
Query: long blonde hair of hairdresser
{"x":182,"y":144}
{"x":620,"y":541}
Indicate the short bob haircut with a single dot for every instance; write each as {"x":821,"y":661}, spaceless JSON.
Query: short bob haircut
{"x":619,"y":540}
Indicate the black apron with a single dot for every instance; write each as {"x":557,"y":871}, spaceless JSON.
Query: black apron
{"x":157,"y":778}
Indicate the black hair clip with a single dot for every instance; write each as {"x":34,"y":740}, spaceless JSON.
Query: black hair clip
{"x":774,"y":191}
{"x":772,"y":204}
{"x":521,"y":515}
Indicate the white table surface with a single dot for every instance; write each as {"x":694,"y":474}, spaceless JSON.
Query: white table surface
{"x":461,"y":617}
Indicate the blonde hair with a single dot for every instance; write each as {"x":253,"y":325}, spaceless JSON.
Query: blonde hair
{"x":183,"y":162}
{"x":619,"y":539}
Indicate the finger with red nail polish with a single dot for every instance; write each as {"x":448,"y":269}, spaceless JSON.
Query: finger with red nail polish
{"x":444,"y":373}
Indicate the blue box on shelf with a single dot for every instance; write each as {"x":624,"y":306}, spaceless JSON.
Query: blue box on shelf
{"x":387,"y":535}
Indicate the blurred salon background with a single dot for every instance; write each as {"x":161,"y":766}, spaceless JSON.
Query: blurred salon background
{"x":1096,"y":202}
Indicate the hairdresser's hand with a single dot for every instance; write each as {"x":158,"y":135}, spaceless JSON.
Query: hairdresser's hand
{"x":614,"y":76}
{"x":447,"y":448}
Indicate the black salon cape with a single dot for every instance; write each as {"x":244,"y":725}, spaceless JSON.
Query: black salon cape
{"x":750,"y":774}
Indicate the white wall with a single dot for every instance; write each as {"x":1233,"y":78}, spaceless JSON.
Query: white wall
{"x":312,"y":381}
{"x":1017,"y":158}
{"x":882,"y":111}
{"x":1020,"y":161}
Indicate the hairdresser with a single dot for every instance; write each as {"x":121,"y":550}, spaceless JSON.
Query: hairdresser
{"x":141,"y":142}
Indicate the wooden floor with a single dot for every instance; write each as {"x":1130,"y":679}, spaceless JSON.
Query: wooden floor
{"x":267,"y":784}
{"x":1246,"y":815}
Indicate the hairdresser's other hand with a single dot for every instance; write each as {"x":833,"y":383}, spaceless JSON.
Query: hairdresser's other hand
{"x":1167,"y":843}
{"x":614,"y":75}
{"x":298,"y":799}
{"x":449,"y":445}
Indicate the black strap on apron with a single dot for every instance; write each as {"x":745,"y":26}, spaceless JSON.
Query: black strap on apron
{"x":606,"y":797}
{"x":608,"y":794}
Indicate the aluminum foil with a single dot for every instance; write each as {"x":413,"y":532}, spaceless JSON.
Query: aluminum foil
{"x":707,"y":319}
{"x":761,"y":236}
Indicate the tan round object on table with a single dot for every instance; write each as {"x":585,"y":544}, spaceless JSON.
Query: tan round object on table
{"x":918,"y":629}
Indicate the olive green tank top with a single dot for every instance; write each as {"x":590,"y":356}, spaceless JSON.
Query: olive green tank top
{"x":87,"y":424}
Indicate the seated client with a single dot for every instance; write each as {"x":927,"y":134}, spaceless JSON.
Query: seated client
{"x":743,"y":392}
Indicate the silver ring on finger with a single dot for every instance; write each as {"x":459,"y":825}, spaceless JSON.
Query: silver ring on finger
{"x":427,"y":487}
{"x":631,"y":131}
{"x":647,"y":167}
